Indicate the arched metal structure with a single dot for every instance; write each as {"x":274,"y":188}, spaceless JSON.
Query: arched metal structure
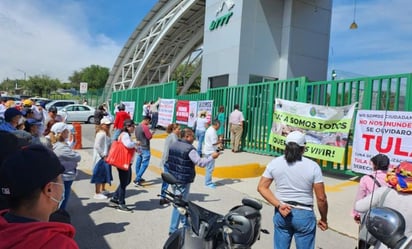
{"x":169,"y":34}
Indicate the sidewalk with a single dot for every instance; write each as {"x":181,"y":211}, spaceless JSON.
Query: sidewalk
{"x":102,"y":227}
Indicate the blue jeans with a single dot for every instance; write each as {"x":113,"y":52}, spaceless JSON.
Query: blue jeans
{"x":165,"y":185}
{"x":200,"y":137}
{"x":209,"y":171}
{"x":142,"y":162}
{"x":181,"y":189}
{"x":125,"y":176}
{"x":67,"y":191}
{"x":116,"y":134}
{"x":299,"y":223}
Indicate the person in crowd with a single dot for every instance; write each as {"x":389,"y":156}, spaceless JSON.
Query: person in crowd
{"x":368,"y":183}
{"x":31,"y":182}
{"x":41,"y":106}
{"x":32,"y":126}
{"x":236,"y":122}
{"x":68,"y":157}
{"x":143,"y":137}
{"x":201,"y":125}
{"x":12,"y":117}
{"x":121,"y":116}
{"x":211,"y":145}
{"x":174,"y":131}
{"x":222,"y":119}
{"x":396,"y":196}
{"x":296,"y":178}
{"x":2,"y":107}
{"x":125,"y":176}
{"x":181,"y":164}
{"x":51,"y":119}
{"x":154,"y":112}
{"x":9,"y":144}
{"x":102,"y":172}
{"x":146,"y":109}
{"x":98,"y":115}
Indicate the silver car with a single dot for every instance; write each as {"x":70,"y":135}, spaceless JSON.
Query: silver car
{"x":77,"y":113}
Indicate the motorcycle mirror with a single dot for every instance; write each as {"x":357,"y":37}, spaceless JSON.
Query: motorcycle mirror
{"x":169,"y":178}
{"x":387,"y":225}
{"x":252,"y":203}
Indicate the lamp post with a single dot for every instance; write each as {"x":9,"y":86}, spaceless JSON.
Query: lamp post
{"x":24,"y":75}
{"x":334,"y":74}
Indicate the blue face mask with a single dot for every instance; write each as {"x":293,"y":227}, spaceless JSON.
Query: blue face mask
{"x":59,"y":202}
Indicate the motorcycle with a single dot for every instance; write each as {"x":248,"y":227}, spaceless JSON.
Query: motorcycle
{"x":239,"y":228}
{"x":388,"y":226}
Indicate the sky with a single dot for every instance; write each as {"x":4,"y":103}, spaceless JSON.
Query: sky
{"x":56,"y":38}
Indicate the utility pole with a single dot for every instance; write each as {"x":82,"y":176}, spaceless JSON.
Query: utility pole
{"x":334,"y":74}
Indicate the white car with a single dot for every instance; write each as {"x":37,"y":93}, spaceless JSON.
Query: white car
{"x":77,"y":113}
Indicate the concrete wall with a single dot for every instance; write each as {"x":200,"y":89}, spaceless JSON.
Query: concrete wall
{"x":270,"y":38}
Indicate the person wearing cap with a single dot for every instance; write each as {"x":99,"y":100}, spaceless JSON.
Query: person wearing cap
{"x":121,"y":116}
{"x":395,"y":195}
{"x":98,"y":115}
{"x":102,"y":172}
{"x":9,"y":145}
{"x":31,"y":182}
{"x":68,"y":157}
{"x":12,"y":117}
{"x":32,"y":126}
{"x":125,"y":176}
{"x":368,"y":183}
{"x":51,"y":119}
{"x":296,"y":178}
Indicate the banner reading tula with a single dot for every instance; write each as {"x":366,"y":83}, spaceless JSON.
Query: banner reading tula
{"x":385,"y":132}
{"x":326,"y":128}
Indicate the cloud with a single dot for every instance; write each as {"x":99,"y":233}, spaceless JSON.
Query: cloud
{"x":380,"y":46}
{"x":50,"y":38}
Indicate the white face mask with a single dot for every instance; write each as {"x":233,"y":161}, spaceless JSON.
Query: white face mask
{"x":59,"y":202}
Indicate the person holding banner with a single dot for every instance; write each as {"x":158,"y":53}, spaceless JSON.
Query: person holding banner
{"x":296,"y":178}
{"x":236,"y":120}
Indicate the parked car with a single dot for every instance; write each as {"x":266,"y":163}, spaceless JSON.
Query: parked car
{"x":59,"y":104}
{"x":39,"y":99}
{"x":17,"y":101}
{"x":77,"y":113}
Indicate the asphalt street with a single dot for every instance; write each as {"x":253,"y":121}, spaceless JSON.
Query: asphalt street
{"x":99,"y":226}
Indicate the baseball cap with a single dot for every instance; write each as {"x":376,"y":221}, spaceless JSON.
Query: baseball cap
{"x":11,"y":113}
{"x":28,"y":169}
{"x":59,"y":127}
{"x":27,"y":102}
{"x":105,"y":121}
{"x":296,"y":137}
{"x":8,"y":143}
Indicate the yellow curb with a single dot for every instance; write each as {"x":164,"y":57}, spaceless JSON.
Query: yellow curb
{"x":239,"y":171}
{"x":160,"y":135}
{"x":339,"y":187}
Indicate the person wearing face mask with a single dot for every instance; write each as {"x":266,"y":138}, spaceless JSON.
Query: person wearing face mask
{"x":32,"y":184}
{"x":68,"y":158}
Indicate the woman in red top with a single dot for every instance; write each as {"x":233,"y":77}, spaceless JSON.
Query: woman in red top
{"x":121,"y":116}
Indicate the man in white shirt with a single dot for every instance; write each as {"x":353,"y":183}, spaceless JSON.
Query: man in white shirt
{"x":211,"y":146}
{"x":236,"y":128}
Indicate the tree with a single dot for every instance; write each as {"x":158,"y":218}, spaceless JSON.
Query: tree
{"x":183,"y":73}
{"x":41,"y":84}
{"x":95,"y":75}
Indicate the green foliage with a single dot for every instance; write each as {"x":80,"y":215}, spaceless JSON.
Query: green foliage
{"x":182,"y":74}
{"x":41,"y":84}
{"x":95,"y":75}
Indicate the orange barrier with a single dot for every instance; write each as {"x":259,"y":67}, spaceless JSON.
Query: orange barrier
{"x":77,"y":135}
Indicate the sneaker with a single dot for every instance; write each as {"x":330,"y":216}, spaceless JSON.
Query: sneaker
{"x":99,"y":196}
{"x":164,"y":201}
{"x":124,"y":208}
{"x":211,"y":185}
{"x":105,"y":192}
{"x":138,"y":184}
{"x":114,"y":202}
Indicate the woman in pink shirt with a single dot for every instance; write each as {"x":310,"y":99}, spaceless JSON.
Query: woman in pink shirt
{"x":367,"y":183}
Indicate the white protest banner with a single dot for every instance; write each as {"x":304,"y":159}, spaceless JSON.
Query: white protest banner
{"x":326,"y":128}
{"x":129,"y":107}
{"x":205,"y":106}
{"x":192,"y":113}
{"x":385,"y":132}
{"x":166,"y":111}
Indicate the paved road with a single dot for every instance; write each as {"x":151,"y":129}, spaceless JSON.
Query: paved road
{"x":99,"y":226}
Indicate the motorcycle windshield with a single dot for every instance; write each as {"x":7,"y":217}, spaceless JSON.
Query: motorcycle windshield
{"x":199,"y":214}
